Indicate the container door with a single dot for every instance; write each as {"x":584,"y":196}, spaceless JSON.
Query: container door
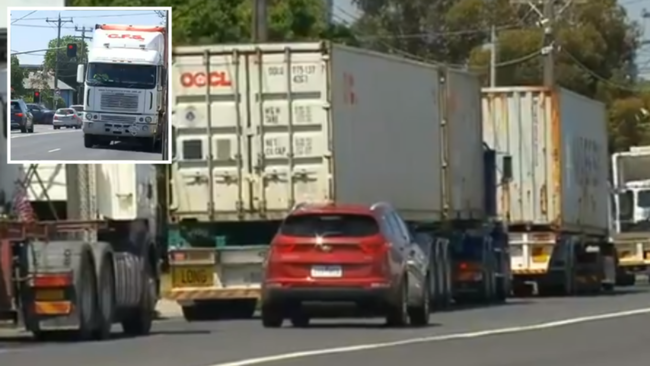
{"x":209,"y":174}
{"x":290,"y":130}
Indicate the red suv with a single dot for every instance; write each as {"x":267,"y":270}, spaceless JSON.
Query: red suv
{"x":334,"y":253}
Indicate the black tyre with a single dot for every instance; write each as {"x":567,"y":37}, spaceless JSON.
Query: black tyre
{"x":105,"y":300}
{"x":397,"y":312}
{"x":89,"y":141}
{"x":271,"y":316}
{"x":419,"y":315}
{"x":138,"y":321}
{"x":86,"y":300}
{"x":300,"y":319}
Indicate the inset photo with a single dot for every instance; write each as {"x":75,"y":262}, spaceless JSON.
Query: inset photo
{"x":89,"y":85}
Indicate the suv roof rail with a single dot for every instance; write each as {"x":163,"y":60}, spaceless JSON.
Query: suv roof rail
{"x":380,"y":204}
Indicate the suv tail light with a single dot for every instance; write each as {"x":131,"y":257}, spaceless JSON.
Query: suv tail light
{"x":19,"y":114}
{"x":375,"y":247}
{"x":284,"y":247}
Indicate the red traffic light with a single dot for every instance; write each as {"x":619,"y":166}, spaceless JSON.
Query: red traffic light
{"x":36,"y":94}
{"x":70,"y":46}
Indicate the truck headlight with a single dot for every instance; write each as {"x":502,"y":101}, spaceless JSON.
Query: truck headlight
{"x":147,"y":119}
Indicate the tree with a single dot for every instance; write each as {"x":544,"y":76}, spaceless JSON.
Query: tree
{"x":17,"y":76}
{"x":229,"y":21}
{"x":67,"y":66}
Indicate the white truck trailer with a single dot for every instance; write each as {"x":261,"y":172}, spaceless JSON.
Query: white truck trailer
{"x":125,"y":95}
{"x":291,"y":123}
{"x":557,"y":202}
{"x":94,"y":266}
{"x":631,"y":201}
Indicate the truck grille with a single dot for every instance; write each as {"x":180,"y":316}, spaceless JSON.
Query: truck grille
{"x":123,"y":119}
{"x":120,"y":101}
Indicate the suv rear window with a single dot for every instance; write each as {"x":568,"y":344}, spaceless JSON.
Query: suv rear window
{"x":329,"y":225}
{"x":15,"y":106}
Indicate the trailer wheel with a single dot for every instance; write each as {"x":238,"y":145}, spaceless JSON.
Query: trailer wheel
{"x":86,"y":301}
{"x":138,"y":321}
{"x":105,"y":299}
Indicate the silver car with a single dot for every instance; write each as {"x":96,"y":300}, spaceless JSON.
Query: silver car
{"x":66,"y":117}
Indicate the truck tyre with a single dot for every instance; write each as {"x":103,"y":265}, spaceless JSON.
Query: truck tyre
{"x":86,"y":296}
{"x":419,"y":315}
{"x":397,"y":312}
{"x":138,"y":321}
{"x":89,"y":141}
{"x":105,"y":299}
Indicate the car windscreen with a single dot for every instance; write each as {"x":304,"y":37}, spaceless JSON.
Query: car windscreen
{"x":65,"y":111}
{"x":329,"y":225}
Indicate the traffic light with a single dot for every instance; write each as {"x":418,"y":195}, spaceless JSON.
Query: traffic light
{"x":72,"y":50}
{"x":37,"y":97}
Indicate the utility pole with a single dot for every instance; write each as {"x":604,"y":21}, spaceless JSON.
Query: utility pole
{"x":551,"y":11}
{"x":83,"y":60}
{"x":494,"y":47}
{"x":59,"y":23}
{"x":260,"y":21}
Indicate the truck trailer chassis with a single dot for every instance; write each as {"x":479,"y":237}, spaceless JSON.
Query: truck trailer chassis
{"x":50,"y":285}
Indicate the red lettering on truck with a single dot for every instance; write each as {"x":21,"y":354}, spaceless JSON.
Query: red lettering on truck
{"x":199,"y":79}
{"x":126,"y":36}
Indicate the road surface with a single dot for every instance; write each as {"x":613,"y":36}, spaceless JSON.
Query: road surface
{"x":589,"y":341}
{"x":67,"y":145}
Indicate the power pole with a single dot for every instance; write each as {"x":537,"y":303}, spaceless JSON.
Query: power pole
{"x":494,"y":48}
{"x":550,"y":13}
{"x":59,"y":23}
{"x":260,"y":21}
{"x":84,"y":60}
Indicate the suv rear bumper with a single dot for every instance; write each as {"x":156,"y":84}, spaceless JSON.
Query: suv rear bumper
{"x":328,"y":294}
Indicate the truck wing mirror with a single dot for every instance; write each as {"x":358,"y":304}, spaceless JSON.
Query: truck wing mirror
{"x":80,"y":73}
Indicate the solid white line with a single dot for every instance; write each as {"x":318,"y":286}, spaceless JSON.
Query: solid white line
{"x":53,"y":150}
{"x":42,"y":133}
{"x":445,"y":337}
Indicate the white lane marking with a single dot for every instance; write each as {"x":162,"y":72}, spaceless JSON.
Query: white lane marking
{"x":445,"y":337}
{"x":53,"y":150}
{"x":42,"y":133}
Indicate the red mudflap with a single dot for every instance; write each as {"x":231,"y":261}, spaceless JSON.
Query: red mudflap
{"x":5,"y":275}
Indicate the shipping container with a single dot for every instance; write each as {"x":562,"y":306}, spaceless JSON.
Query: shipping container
{"x":124,"y":191}
{"x":558,"y":143}
{"x":288,"y":123}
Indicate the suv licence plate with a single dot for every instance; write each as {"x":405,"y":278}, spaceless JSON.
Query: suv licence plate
{"x":326,"y":271}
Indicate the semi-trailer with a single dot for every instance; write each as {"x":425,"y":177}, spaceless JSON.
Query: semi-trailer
{"x":91,"y":267}
{"x":556,"y":204}
{"x":261,"y":128}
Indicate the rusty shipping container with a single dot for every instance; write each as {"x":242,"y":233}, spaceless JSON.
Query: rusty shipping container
{"x":558,"y":143}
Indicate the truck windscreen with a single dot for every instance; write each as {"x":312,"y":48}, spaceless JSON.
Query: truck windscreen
{"x":121,"y":76}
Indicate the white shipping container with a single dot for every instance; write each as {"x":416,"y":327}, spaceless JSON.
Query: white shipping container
{"x":558,"y":143}
{"x":317,"y":122}
{"x":123,"y":191}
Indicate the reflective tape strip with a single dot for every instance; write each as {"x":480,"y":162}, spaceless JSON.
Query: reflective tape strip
{"x":52,"y":307}
{"x":211,"y":293}
{"x":528,"y":271}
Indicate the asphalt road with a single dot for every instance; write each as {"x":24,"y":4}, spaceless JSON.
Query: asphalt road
{"x":458,"y":338}
{"x":67,"y":145}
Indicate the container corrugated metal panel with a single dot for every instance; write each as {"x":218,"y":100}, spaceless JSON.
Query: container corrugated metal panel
{"x":558,"y":143}
{"x":630,"y":166}
{"x":126,"y":191}
{"x":315,"y":123}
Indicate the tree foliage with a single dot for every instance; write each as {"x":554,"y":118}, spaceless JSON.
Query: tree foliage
{"x":229,"y":21}
{"x":17,"y":77}
{"x":67,"y":66}
{"x":596,"y":46}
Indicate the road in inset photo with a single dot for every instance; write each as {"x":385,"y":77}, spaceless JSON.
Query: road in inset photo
{"x":67,"y":145}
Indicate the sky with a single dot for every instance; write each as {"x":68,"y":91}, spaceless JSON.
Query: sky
{"x":29,"y":30}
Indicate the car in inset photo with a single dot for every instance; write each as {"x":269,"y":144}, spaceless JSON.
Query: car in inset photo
{"x":66,"y":117}
{"x":21,"y":117}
